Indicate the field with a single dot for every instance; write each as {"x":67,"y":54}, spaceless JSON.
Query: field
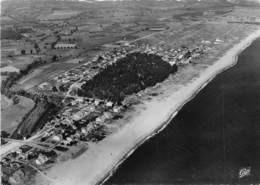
{"x":19,"y":62}
{"x":9,"y":33}
{"x":45,"y":74}
{"x":244,"y":13}
{"x":9,"y":69}
{"x":11,"y":115}
{"x":32,"y":122}
{"x":59,"y":15}
{"x":6,"y":20}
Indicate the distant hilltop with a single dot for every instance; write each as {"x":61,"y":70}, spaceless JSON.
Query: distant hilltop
{"x":238,"y":2}
{"x":230,"y":1}
{"x":241,"y":2}
{"x":244,"y":1}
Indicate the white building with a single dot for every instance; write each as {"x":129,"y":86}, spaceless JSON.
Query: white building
{"x":65,"y":46}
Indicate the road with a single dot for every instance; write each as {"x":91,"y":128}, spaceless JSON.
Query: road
{"x":13,"y":145}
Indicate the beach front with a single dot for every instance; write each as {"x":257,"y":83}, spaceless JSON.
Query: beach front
{"x":99,"y":162}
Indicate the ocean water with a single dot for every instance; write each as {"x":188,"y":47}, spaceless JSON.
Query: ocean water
{"x":215,"y":138}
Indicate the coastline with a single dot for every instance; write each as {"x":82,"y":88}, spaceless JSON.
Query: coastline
{"x":97,"y":164}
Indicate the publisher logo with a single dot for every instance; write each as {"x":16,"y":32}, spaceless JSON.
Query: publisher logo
{"x":244,"y":172}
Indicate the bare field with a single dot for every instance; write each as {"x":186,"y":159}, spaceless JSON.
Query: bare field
{"x":194,"y":34}
{"x":44,"y":73}
{"x":11,"y":115}
{"x":60,"y":14}
{"x":9,"y":69}
{"x":19,"y":62}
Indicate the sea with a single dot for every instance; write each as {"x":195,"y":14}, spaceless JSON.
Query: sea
{"x":215,"y":138}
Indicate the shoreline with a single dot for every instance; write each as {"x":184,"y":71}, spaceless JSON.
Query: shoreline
{"x":167,"y":122}
{"x":115,"y":149}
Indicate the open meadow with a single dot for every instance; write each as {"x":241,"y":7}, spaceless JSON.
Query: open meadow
{"x":45,"y":73}
{"x":12,"y":114}
{"x":59,"y":14}
{"x":19,"y":62}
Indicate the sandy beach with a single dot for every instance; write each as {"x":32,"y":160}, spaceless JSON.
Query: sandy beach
{"x":102,"y":159}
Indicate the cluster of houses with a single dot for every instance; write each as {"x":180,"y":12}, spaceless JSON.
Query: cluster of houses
{"x":79,"y":121}
{"x":88,"y":70}
{"x":181,"y":55}
{"x":13,"y":163}
{"x":83,"y":119}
